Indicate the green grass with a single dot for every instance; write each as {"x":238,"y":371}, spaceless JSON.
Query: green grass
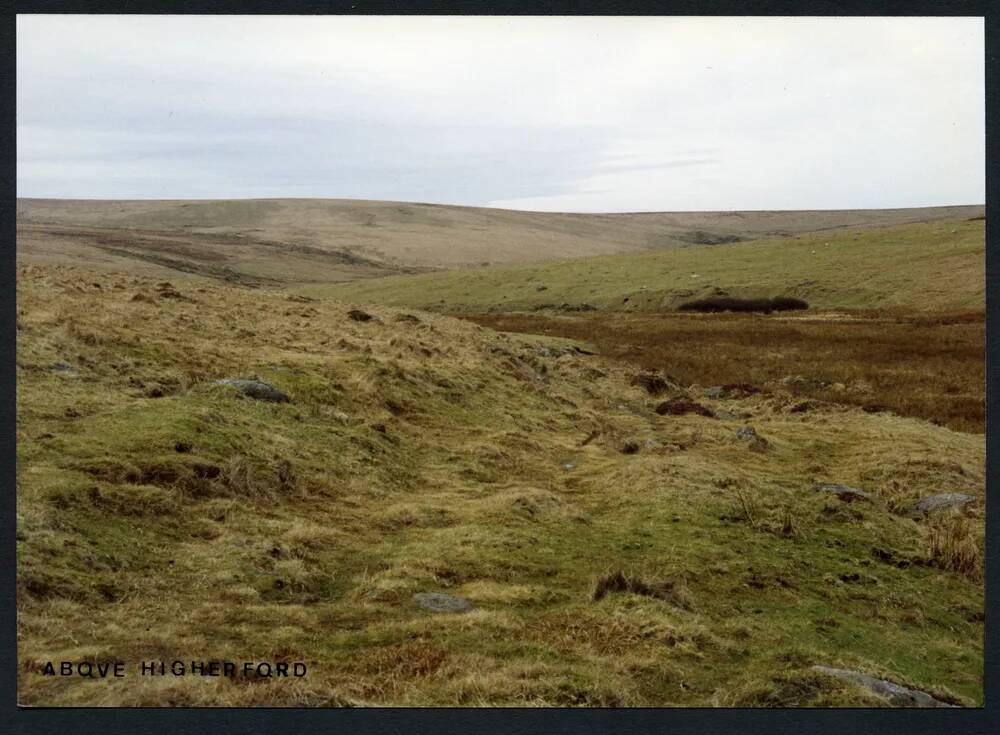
{"x":936,"y":265}
{"x":430,"y":456}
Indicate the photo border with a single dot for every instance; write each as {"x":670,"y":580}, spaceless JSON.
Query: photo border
{"x":512,"y":721}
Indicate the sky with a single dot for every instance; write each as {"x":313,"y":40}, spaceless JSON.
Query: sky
{"x":550,"y":114}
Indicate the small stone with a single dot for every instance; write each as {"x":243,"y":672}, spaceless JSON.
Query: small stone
{"x":940,"y":502}
{"x":257,"y":389}
{"x":714,"y":392}
{"x":440,"y":602}
{"x":843,"y":492}
{"x":894,"y":694}
{"x":755,"y":442}
{"x":61,"y":367}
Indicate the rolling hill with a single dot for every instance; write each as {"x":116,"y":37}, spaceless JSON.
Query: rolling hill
{"x":271,"y":242}
{"x":626,"y":507}
{"x":923,"y":266}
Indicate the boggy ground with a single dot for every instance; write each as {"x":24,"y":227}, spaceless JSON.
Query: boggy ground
{"x":931,"y":365}
{"x":163,"y":517}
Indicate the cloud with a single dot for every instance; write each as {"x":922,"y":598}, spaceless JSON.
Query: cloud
{"x":590,"y":114}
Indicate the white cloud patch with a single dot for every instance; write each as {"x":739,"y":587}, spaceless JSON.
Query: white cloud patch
{"x":579,"y":114}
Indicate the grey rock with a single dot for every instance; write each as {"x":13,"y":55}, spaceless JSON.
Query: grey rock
{"x":61,"y":367}
{"x":714,"y":392}
{"x":842,"y":491}
{"x":755,"y":442}
{"x":441,"y":602}
{"x":257,"y":389}
{"x":725,"y":415}
{"x":895,"y":694}
{"x":940,"y":502}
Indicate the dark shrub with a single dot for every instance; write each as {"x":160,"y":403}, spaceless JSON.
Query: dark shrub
{"x":700,"y":237}
{"x":727,"y":303}
{"x":652,"y":383}
{"x":682,"y":406}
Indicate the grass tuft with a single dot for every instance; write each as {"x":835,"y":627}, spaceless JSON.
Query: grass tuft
{"x":952,"y":544}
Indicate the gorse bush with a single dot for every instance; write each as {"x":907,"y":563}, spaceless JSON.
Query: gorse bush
{"x":727,"y":303}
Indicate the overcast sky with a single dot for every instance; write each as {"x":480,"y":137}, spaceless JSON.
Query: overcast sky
{"x":557,"y":114}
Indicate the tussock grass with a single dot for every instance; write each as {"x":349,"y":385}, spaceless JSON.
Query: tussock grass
{"x":953,"y":544}
{"x":301,"y":531}
{"x":618,"y":581}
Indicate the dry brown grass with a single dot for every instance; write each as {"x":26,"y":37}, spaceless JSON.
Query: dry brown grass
{"x":952,"y":545}
{"x":438,"y":456}
{"x":930,"y":366}
{"x":619,"y":581}
{"x":749,"y":506}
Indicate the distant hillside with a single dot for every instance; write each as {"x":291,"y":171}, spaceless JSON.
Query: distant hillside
{"x":931,"y":265}
{"x":276,"y":241}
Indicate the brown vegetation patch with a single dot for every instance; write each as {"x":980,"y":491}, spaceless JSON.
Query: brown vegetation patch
{"x":682,"y":406}
{"x":930,"y":366}
{"x":618,"y":581}
{"x":952,"y":545}
{"x":651,"y":383}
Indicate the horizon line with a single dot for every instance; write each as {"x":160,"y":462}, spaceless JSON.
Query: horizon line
{"x":486,"y":206}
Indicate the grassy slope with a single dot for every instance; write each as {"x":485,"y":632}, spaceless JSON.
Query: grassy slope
{"x":431,"y":456}
{"x":253,"y":235}
{"x":936,"y":265}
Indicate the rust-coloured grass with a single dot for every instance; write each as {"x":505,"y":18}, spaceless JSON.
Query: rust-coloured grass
{"x":926,"y":366}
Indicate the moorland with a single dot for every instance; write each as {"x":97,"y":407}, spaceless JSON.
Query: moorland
{"x":504,"y":468}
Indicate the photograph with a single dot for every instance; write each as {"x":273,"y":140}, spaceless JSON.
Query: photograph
{"x":487,"y":361}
